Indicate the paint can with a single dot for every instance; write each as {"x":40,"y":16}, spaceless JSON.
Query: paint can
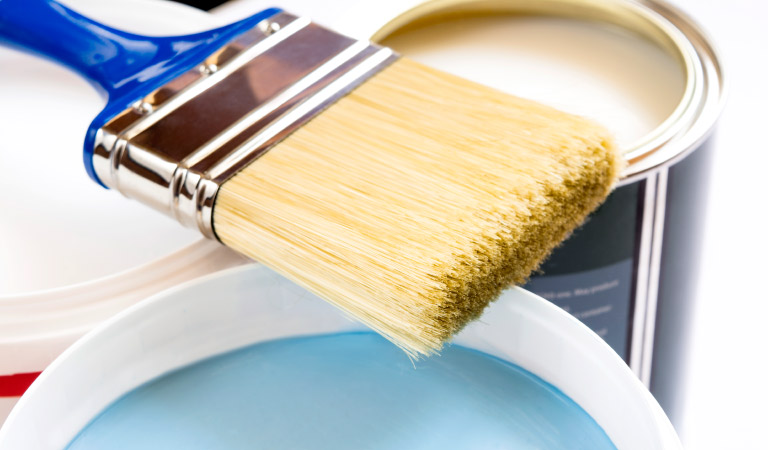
{"x":630,"y":272}
{"x":247,"y":305}
{"x":72,"y":253}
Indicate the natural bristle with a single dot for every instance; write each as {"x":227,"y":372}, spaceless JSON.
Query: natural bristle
{"x":413,"y":201}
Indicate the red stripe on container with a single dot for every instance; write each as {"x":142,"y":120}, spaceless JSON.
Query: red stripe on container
{"x":15,"y":385}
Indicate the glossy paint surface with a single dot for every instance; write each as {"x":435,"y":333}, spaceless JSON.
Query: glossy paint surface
{"x":351,"y":390}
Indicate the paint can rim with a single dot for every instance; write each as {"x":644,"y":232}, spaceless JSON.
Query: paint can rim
{"x":704,"y":90}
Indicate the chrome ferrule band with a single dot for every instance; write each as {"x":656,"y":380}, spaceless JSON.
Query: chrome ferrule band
{"x":173,"y":149}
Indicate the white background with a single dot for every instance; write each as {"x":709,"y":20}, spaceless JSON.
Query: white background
{"x":727,"y":391}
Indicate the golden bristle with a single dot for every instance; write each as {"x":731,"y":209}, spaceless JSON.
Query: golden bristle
{"x":413,"y":201}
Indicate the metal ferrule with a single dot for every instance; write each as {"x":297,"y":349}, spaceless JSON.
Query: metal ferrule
{"x":173,"y":149}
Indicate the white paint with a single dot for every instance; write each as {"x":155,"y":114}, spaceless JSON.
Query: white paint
{"x":605,"y":73}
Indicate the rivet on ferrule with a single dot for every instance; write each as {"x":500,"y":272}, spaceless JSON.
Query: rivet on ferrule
{"x":143,"y":107}
{"x":270,"y":27}
{"x":208,"y":69}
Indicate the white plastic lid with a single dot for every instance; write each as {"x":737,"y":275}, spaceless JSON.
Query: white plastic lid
{"x":59,"y":228}
{"x":73,"y":253}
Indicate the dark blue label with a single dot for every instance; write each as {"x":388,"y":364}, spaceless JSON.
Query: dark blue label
{"x":592,"y":274}
{"x":600,"y":298}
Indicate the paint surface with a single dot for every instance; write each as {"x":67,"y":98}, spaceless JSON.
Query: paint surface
{"x":613,"y":76}
{"x":344,"y":391}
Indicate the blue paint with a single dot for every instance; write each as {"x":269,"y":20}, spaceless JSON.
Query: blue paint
{"x":124,"y":66}
{"x":344,"y":391}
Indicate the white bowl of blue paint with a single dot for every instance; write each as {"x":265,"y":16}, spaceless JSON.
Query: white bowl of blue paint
{"x":246,"y":359}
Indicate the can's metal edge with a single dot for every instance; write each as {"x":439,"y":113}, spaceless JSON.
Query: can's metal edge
{"x":705,"y":89}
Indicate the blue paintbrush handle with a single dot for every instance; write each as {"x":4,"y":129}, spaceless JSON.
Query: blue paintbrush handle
{"x":125,"y":66}
{"x":104,"y":55}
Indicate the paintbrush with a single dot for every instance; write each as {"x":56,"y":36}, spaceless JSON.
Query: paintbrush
{"x":405,"y":196}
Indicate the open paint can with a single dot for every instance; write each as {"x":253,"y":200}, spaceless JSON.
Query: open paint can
{"x":649,"y":74}
{"x":72,"y":253}
{"x":249,"y":305}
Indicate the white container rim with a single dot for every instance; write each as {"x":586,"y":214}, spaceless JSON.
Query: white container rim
{"x":249,"y":304}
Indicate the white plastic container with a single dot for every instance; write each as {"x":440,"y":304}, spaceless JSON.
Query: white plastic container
{"x":251,"y":304}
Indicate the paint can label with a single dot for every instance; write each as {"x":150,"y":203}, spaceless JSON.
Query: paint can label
{"x":592,"y":274}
